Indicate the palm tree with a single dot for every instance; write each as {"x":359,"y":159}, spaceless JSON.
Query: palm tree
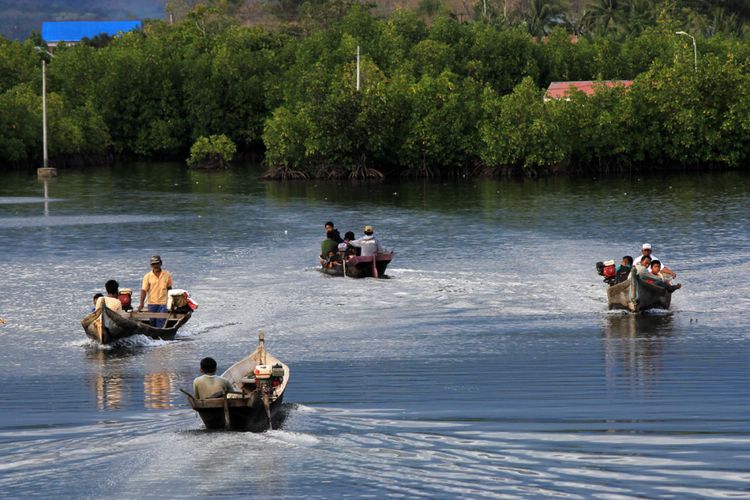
{"x":639,"y":15}
{"x":605,"y":14}
{"x":540,"y":14}
{"x":724,"y":22}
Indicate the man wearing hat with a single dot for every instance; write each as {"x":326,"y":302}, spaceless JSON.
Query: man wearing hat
{"x":156,"y":283}
{"x":368,"y":243}
{"x":646,"y":251}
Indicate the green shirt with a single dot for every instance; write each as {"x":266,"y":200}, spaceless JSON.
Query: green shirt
{"x":328,"y":246}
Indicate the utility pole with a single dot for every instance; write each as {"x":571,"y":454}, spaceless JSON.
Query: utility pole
{"x":44,"y":113}
{"x":357,"y":68}
{"x":45,"y":171}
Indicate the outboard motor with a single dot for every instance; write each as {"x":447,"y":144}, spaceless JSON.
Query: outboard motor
{"x":608,"y":270}
{"x":124,"y":297}
{"x":263,"y":379}
{"x":277,"y":375}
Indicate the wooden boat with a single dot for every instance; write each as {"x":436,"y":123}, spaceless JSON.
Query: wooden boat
{"x":107,"y":326}
{"x":357,"y":266}
{"x":256,"y":404}
{"x":638,"y":293}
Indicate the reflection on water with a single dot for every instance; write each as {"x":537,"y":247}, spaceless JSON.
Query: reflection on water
{"x":108,"y":392}
{"x":633,"y":345}
{"x":108,"y":386}
{"x":111,"y":386}
{"x":46,"y":198}
{"x":157,"y":389}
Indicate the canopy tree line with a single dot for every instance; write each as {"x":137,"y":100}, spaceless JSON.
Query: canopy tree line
{"x":438,"y":96}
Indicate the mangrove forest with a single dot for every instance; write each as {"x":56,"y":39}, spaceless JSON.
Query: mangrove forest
{"x":441,"y":92}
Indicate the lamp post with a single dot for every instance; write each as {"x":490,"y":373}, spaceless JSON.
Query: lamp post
{"x":695,"y":48}
{"x":45,"y":171}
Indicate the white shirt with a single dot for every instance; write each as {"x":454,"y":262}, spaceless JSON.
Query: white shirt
{"x":637,"y":260}
{"x":112,"y":303}
{"x":369,"y":244}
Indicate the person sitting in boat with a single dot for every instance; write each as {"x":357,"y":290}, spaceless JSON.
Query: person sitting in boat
{"x":96,"y":298}
{"x":156,"y":283}
{"x":350,"y":249}
{"x":647,"y":250}
{"x":623,"y":270}
{"x":656,"y":272}
{"x":643,"y":264}
{"x":110,"y":300}
{"x":210,"y":385}
{"x":368,"y":244}
{"x":329,"y":250}
{"x":336,"y":235}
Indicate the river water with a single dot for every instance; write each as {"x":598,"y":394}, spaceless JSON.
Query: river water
{"x":486,"y":366}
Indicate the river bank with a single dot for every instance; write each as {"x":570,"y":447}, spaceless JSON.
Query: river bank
{"x":439,"y":98}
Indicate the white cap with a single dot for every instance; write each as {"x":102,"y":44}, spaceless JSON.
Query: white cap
{"x":646,"y":246}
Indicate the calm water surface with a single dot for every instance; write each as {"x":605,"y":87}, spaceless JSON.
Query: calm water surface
{"x":487,"y":366}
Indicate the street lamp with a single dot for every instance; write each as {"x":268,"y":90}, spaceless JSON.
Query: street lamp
{"x":45,"y":171}
{"x":695,"y":48}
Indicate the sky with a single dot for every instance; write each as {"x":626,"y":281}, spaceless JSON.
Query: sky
{"x":18,"y":18}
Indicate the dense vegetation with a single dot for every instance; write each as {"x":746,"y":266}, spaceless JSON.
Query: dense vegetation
{"x":439,"y":96}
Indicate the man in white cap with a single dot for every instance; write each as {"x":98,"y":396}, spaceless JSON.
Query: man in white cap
{"x":368,"y":243}
{"x":646,"y":251}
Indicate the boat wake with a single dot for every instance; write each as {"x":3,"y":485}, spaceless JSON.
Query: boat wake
{"x":23,"y":200}
{"x":206,"y":328}
{"x":133,"y":342}
{"x":76,"y":220}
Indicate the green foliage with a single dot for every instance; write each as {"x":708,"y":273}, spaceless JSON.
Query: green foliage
{"x":20,"y":124}
{"x":441,"y":131}
{"x":214,"y":151}
{"x":438,"y":95}
{"x":18,"y":63}
{"x":518,"y":129}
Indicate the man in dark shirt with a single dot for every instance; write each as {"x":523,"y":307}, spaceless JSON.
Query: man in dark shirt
{"x":336,"y":235}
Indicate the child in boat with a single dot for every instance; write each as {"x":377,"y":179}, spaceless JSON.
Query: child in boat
{"x":656,"y":271}
{"x":625,"y":265}
{"x":623,"y":270}
{"x":350,"y":249}
{"x":643,"y":265}
{"x":96,"y":298}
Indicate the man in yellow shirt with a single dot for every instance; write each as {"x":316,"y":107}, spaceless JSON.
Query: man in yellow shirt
{"x":156,"y":284}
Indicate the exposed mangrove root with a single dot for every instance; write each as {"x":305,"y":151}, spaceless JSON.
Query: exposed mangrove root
{"x":331,"y":172}
{"x":284,"y":173}
{"x":423,"y":171}
{"x":363,"y":172}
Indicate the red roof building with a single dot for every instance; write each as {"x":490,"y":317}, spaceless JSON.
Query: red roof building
{"x":559,"y":90}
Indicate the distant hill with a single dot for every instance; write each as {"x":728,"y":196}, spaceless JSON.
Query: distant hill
{"x":19,"y":17}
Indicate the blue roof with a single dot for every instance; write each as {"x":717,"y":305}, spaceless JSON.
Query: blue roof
{"x":74,"y":31}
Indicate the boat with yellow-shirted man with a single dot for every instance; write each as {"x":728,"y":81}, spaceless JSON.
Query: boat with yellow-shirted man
{"x":105,"y":325}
